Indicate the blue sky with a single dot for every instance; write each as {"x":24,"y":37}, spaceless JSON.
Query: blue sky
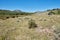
{"x":29,"y":5}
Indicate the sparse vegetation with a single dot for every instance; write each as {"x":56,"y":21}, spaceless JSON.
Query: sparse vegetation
{"x":57,"y":32}
{"x":20,"y":27}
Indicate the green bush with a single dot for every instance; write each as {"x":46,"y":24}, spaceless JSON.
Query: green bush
{"x":32,"y":24}
{"x":51,"y":13}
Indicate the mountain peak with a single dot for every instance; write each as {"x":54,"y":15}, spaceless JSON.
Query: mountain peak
{"x":17,"y":10}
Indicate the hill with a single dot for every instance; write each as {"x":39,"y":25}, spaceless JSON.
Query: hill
{"x":55,"y":11}
{"x":4,"y":14}
{"x":39,"y":26}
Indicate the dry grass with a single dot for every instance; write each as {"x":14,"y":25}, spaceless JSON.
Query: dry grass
{"x":18,"y":28}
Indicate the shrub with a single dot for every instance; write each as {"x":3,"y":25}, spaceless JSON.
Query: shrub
{"x":13,"y":16}
{"x":7,"y":17}
{"x":16,"y":16}
{"x":51,"y":13}
{"x":32,"y":24}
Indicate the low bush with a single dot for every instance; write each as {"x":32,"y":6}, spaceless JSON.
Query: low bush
{"x":7,"y":17}
{"x":13,"y":16}
{"x":51,"y":13}
{"x":32,"y":24}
